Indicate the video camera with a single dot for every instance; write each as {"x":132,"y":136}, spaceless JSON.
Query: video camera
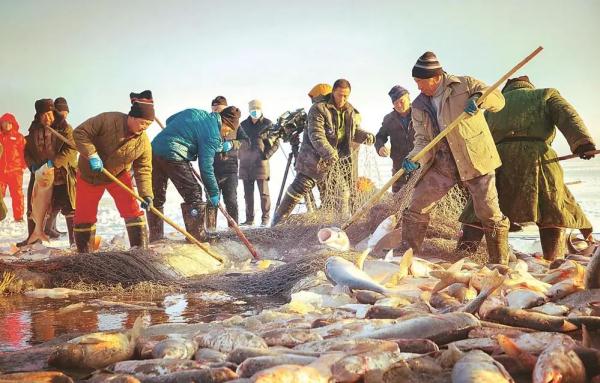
{"x":289,"y":126}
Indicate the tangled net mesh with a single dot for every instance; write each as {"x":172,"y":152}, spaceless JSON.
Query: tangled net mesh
{"x":294,"y":241}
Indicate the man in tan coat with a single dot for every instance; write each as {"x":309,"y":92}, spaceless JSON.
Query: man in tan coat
{"x":116,"y":142}
{"x":467,"y":154}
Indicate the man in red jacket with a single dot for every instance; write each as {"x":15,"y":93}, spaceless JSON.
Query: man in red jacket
{"x":12,"y":163}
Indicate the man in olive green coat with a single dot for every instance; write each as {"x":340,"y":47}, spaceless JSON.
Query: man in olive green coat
{"x":530,"y":181}
{"x":116,"y":142}
{"x":467,"y":154}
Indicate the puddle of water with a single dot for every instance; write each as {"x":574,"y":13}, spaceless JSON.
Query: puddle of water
{"x":26,"y":321}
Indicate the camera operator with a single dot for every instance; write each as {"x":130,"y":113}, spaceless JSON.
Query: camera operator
{"x":333,"y":125}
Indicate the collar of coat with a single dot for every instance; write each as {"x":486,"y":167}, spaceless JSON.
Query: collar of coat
{"x":517,"y":85}
{"x":331,"y":105}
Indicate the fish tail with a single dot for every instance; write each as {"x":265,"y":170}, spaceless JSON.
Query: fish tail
{"x":137,"y":328}
{"x":446,"y":279}
{"x":360,"y":261}
{"x":511,"y":349}
{"x":492,"y":281}
{"x":456,"y":266}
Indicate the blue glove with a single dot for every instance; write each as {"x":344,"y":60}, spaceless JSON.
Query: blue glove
{"x":214,"y":200}
{"x":49,"y":164}
{"x":227,"y":146}
{"x":410,"y":166}
{"x":147,"y":204}
{"x":471,"y":106}
{"x":96,"y":163}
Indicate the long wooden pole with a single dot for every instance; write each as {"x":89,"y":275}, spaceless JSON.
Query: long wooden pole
{"x":152,"y":208}
{"x":437,"y":139}
{"x":569,"y":156}
{"x":230,"y":220}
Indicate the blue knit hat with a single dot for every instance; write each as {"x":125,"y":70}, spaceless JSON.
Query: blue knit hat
{"x":396,"y":92}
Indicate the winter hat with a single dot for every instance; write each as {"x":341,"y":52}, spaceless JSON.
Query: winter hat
{"x":320,"y":90}
{"x":61,"y":105}
{"x":10,"y":118}
{"x":142,"y":105}
{"x":427,"y":66}
{"x":219,"y":100}
{"x":255,"y":104}
{"x":396,"y":92}
{"x":231,"y":115}
{"x":520,"y":78}
{"x":43,"y":105}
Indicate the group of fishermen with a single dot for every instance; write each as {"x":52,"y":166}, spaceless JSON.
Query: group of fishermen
{"x":502,"y":156}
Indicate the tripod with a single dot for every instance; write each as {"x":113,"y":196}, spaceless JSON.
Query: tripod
{"x":309,"y":198}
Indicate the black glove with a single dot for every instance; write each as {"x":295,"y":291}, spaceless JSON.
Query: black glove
{"x":147,"y":204}
{"x":581,"y":151}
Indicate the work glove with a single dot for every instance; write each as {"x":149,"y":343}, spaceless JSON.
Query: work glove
{"x":383,"y":151}
{"x":410,"y":166}
{"x":49,"y":164}
{"x":147,"y":204}
{"x":95,"y":163}
{"x":582,"y":149}
{"x":370,"y":140}
{"x":227,"y":146}
{"x":214,"y":200}
{"x":471,"y":107}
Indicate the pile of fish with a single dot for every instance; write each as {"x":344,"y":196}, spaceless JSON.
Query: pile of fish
{"x":398,"y":319}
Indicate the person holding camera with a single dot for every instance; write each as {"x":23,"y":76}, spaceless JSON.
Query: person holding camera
{"x":255,"y":150}
{"x":397,"y":126}
{"x":333,"y":127}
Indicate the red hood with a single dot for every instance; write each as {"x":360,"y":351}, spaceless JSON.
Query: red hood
{"x":10,"y":118}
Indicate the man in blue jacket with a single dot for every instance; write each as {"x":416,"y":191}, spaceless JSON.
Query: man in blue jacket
{"x":189,"y":135}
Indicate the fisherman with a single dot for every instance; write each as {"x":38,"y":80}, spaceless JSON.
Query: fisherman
{"x":189,"y":135}
{"x":319,"y":93}
{"x":43,"y":147}
{"x":333,"y":126}
{"x":255,"y":151}
{"x":62,"y":107}
{"x":466,"y":155}
{"x":116,"y":142}
{"x":530,"y":181}
{"x":397,"y":125}
{"x":12,"y":163}
{"x":226,"y":172}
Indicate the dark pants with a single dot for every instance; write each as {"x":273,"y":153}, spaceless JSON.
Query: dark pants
{"x":265,"y":199}
{"x":228,"y":186}
{"x":301,"y":185}
{"x":60,"y":198}
{"x":180,"y":173}
{"x":401,"y":181}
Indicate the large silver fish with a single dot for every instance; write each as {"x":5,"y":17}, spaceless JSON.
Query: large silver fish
{"x":478,"y":367}
{"x":41,"y":199}
{"x":344,"y":273}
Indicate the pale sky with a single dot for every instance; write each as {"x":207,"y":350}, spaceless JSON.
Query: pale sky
{"x":95,"y":52}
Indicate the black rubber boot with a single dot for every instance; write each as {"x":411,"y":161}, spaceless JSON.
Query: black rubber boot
{"x":30,"y":229}
{"x":137,"y":231}
{"x":193,"y":218}
{"x":69,"y":221}
{"x":497,"y":246}
{"x":470,"y":239}
{"x":156,"y":226}
{"x":84,"y":234}
{"x":50,"y":227}
{"x":554,"y":242}
{"x":413,"y":231}
{"x":285,"y":208}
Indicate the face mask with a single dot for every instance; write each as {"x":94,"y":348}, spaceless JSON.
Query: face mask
{"x":255,"y":113}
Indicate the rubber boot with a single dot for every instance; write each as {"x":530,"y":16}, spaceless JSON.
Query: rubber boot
{"x":50,"y":227}
{"x":193,"y":218}
{"x":30,"y":229}
{"x":497,"y":246}
{"x":553,"y":241}
{"x":285,"y":208}
{"x":84,"y":234}
{"x":69,"y":221}
{"x":137,"y":231}
{"x":156,"y":226}
{"x":470,"y":239}
{"x":413,"y":232}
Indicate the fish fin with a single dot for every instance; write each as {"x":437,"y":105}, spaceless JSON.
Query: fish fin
{"x":405,"y":263}
{"x":492,"y":281}
{"x":137,"y":328}
{"x":360,"y":261}
{"x":456,"y":266}
{"x":389,"y":256}
{"x":511,"y":349}
{"x":445,"y":277}
{"x":568,"y":326}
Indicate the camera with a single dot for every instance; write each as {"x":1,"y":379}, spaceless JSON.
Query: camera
{"x":289,"y":126}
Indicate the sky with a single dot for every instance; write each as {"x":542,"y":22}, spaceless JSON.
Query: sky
{"x":94,"y":53}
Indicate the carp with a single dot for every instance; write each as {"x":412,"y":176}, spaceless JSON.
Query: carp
{"x":41,"y":200}
{"x":334,"y":238}
{"x":253,"y":365}
{"x":228,"y":339}
{"x":174,"y":348}
{"x":478,"y":367}
{"x":522,"y":298}
{"x":559,"y":363}
{"x":384,"y":228}
{"x":592,"y":272}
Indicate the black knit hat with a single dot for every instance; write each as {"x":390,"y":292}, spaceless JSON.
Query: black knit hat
{"x":142,"y":105}
{"x":61,"y":104}
{"x":427,"y":66}
{"x":43,"y":105}
{"x":219,"y":100}
{"x":396,"y":92}
{"x":231,"y":116}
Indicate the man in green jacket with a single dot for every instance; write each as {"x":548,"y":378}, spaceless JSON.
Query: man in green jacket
{"x":530,"y":181}
{"x":116,"y":142}
{"x":467,"y":154}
